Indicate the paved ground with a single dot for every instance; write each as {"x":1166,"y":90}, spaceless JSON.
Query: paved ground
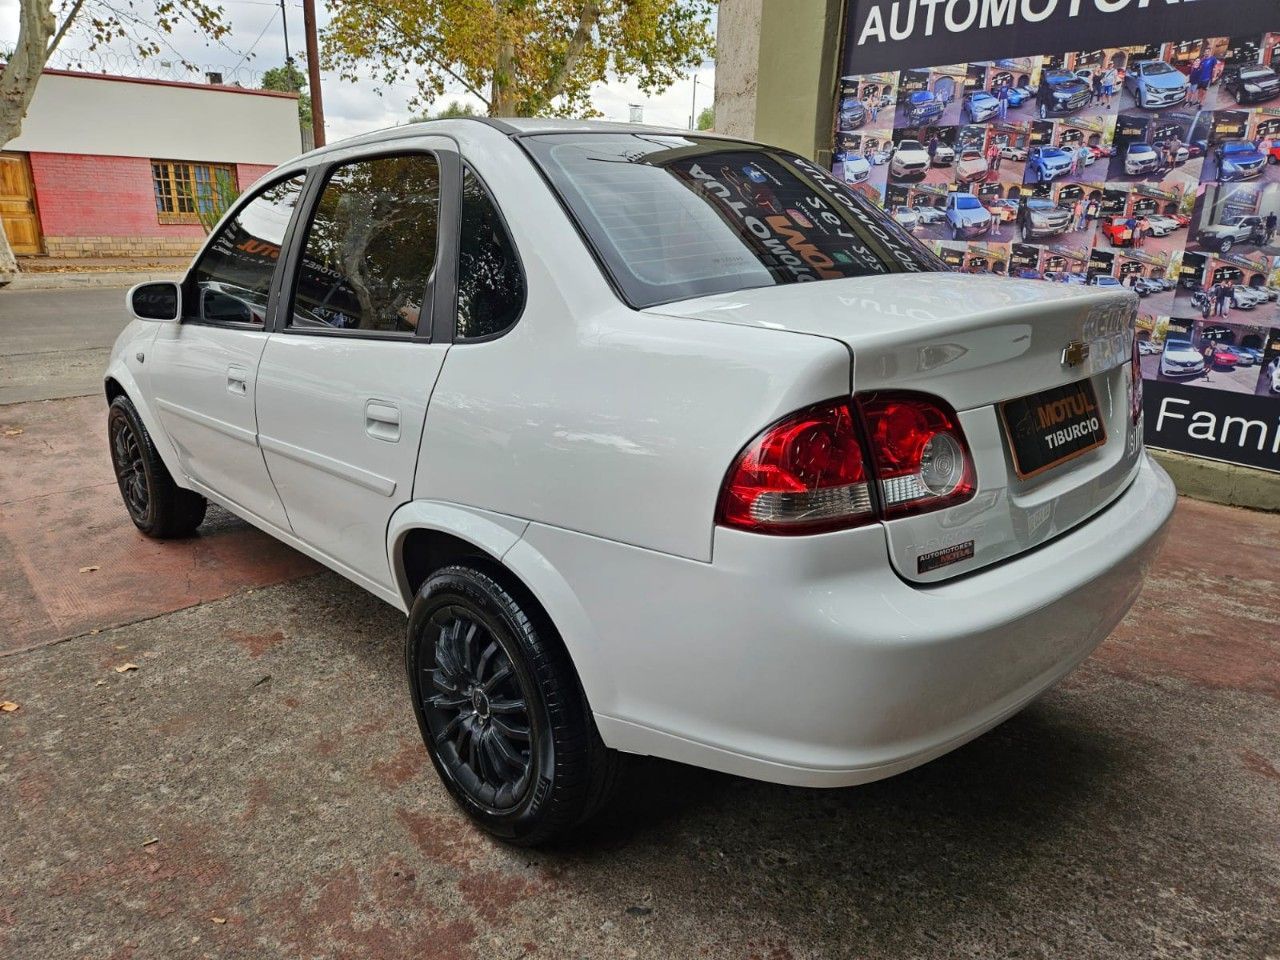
{"x":255,"y":788}
{"x":55,"y":343}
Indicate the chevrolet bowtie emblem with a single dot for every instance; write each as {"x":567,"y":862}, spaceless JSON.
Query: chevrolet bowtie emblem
{"x":1075,"y":353}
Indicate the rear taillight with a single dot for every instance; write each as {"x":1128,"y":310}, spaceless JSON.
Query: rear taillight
{"x":836,"y":465}
{"x":804,"y":474}
{"x":1135,"y":385}
{"x":919,"y":455}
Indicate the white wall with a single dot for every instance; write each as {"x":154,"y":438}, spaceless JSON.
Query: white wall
{"x":111,"y":117}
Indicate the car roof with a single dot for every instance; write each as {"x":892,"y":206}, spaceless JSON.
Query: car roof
{"x":512,"y":127}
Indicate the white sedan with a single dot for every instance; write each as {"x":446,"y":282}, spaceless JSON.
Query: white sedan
{"x":1013,"y":153}
{"x":1161,"y":226}
{"x":906,"y":217}
{"x":630,"y":423}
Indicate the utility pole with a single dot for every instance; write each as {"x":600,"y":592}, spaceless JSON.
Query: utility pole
{"x":693,"y":110}
{"x":313,"y":71}
{"x":284,"y":25}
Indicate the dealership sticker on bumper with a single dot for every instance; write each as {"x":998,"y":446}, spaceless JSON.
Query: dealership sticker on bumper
{"x":941,"y":558}
{"x":1052,"y":427}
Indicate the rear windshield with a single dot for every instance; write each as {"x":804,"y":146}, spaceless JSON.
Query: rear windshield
{"x":673,"y":217}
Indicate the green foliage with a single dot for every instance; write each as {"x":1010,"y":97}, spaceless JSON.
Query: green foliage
{"x":221,"y":198}
{"x":452,"y":109}
{"x":706,"y":119}
{"x":289,"y":79}
{"x":519,"y":57}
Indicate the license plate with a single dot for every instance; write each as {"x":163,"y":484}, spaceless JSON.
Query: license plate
{"x":1052,"y":427}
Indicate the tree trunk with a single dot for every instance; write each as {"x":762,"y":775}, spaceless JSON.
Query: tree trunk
{"x":501,"y":100}
{"x":36,"y":27}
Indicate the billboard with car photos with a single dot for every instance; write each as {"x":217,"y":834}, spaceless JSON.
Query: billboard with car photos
{"x":1095,"y":143}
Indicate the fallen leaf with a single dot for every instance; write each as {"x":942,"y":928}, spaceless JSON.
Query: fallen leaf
{"x":219,"y":919}
{"x":8,"y":706}
{"x":89,"y":569}
{"x":126,"y":667}
{"x":16,"y":432}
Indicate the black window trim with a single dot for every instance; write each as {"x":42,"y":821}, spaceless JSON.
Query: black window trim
{"x":468,"y":167}
{"x":188,"y":279}
{"x":442,"y":279}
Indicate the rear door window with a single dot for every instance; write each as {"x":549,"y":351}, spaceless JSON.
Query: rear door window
{"x":673,"y":217}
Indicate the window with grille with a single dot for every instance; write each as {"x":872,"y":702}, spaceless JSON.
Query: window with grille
{"x":185,"y":190}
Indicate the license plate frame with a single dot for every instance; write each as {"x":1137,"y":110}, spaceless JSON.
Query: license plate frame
{"x":1037,"y":420}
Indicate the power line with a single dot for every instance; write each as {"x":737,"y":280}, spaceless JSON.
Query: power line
{"x":261,"y":34}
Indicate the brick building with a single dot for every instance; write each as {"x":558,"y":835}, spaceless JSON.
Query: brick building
{"x":117,"y":166}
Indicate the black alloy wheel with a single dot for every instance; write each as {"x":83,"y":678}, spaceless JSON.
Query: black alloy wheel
{"x":157,"y":506}
{"x":476,"y":712}
{"x":500,"y":708}
{"x":131,"y":472}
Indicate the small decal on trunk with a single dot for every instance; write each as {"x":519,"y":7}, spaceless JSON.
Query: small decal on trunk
{"x":941,"y":558}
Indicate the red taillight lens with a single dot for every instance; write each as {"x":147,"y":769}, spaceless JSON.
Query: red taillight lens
{"x":1135,"y":387}
{"x":919,"y":455}
{"x":805,"y":474}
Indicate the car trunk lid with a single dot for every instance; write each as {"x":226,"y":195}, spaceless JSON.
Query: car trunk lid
{"x":976,"y":342}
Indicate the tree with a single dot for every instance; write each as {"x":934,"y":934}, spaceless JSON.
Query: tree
{"x":289,"y":79}
{"x":41,"y":29}
{"x":519,"y":57}
{"x":453,"y":109}
{"x":707,"y":119}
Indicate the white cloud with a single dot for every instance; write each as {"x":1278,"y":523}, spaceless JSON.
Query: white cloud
{"x":350,"y":108}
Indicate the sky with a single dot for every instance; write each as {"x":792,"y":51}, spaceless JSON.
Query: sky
{"x":350,"y":108}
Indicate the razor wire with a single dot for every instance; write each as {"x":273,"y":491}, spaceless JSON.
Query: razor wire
{"x":125,"y":64}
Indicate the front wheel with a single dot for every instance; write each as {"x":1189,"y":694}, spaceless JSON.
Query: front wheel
{"x":500,"y":709}
{"x":1226,"y":246}
{"x":157,"y":506}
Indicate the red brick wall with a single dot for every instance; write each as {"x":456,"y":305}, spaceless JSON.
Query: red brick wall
{"x":82,"y":196}
{"x":101,"y":206}
{"x":248,"y":173}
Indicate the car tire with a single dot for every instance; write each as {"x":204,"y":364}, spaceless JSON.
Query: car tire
{"x":156,"y":505}
{"x":1044,"y":112}
{"x":1225,"y":245}
{"x":476,"y":634}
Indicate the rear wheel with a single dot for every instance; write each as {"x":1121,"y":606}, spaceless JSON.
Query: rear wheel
{"x":157,"y":506}
{"x":500,"y":709}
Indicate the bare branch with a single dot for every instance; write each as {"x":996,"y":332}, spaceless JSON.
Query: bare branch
{"x":62,"y":30}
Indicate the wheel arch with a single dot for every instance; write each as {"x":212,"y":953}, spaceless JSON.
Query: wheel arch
{"x":119,"y":382}
{"x":426,"y":535}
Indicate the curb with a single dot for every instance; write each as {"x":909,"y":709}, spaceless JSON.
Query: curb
{"x":1220,"y":482}
{"x":73,"y":281}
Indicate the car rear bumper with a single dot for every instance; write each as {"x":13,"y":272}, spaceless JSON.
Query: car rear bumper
{"x":808,"y":661}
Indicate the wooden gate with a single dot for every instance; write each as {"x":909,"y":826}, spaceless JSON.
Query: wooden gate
{"x":18,"y":204}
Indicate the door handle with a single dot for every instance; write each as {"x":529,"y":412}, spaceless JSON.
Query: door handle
{"x":382,"y":420}
{"x":237,"y":379}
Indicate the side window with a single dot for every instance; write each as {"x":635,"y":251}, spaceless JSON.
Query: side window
{"x":370,"y":247}
{"x":490,"y":282}
{"x":231,"y":279}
